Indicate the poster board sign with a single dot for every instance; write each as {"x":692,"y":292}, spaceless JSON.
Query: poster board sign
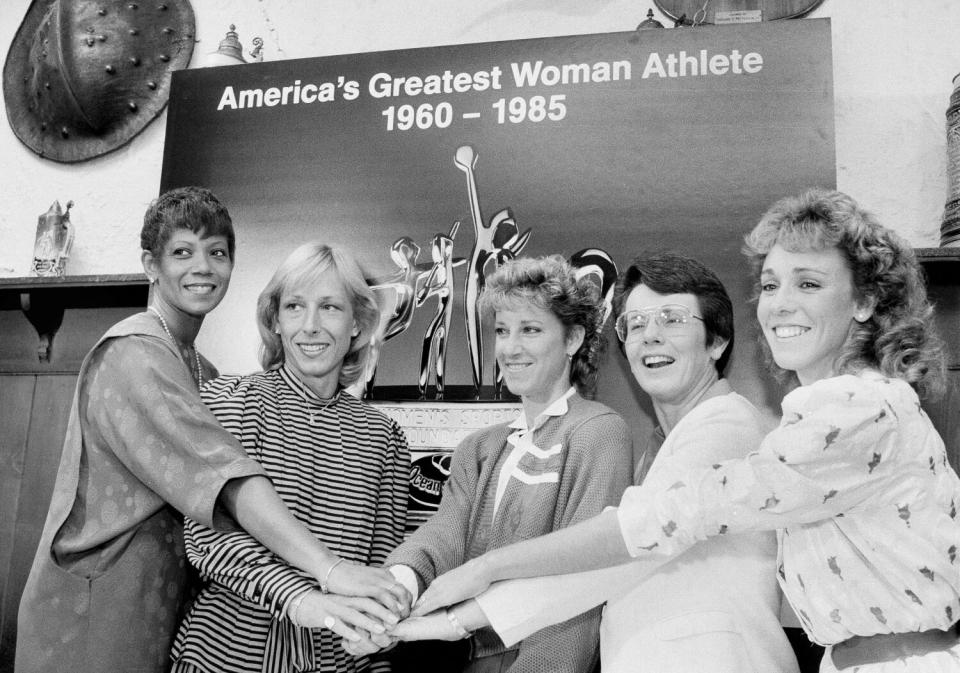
{"x":433,"y":431}
{"x":623,"y":142}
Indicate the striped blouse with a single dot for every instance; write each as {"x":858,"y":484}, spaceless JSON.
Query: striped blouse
{"x":342,"y":468}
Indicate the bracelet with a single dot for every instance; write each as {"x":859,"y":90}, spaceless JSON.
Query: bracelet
{"x":326,"y":578}
{"x":457,"y":626}
{"x":293,"y":610}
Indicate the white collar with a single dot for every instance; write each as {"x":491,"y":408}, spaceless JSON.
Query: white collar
{"x":558,"y":407}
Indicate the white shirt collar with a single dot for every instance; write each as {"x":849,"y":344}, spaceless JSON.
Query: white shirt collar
{"x":556,"y":408}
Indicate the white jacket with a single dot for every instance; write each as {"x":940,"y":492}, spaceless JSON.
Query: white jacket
{"x":714,"y":608}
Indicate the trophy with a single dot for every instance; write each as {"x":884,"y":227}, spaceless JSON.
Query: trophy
{"x":54,"y":239}
{"x":598,"y":266}
{"x":495,"y":241}
{"x":439,"y":284}
{"x":433,"y":428}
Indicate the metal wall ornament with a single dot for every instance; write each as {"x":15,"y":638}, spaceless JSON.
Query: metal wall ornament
{"x":83,"y":78}
{"x":230,"y":51}
{"x":701,"y":12}
{"x":649,"y":23}
{"x":51,"y":248}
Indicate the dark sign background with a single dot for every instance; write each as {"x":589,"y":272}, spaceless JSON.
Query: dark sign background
{"x":686,"y":163}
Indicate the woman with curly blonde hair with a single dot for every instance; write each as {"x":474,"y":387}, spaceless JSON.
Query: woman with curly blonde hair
{"x":855,"y":479}
{"x":560,"y":462}
{"x":897,"y":338}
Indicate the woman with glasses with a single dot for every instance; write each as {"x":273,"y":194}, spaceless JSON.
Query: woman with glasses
{"x":716,"y":607}
{"x":560,"y":462}
{"x":855,"y":479}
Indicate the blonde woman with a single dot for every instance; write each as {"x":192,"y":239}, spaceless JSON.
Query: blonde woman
{"x":340,"y":466}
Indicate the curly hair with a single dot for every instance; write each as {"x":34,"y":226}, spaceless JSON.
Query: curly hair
{"x":551,"y":284}
{"x":302,"y":267}
{"x":193,"y":208}
{"x":672,"y":273}
{"x":899,"y":338}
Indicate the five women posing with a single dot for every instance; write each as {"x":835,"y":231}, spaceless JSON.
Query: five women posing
{"x":850,"y":503}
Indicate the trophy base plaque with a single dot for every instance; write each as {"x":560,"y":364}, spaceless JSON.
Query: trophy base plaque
{"x":433,"y":430}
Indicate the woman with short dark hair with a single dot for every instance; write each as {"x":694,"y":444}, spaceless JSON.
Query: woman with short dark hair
{"x":108,"y":581}
{"x":673,"y":273}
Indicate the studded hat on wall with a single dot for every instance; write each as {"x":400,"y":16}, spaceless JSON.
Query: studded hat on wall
{"x":83,"y":77}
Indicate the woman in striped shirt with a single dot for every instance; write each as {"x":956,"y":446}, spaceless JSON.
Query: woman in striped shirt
{"x":339,"y":465}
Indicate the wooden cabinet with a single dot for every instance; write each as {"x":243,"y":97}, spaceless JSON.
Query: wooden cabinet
{"x":47,"y":325}
{"x":942,"y":266}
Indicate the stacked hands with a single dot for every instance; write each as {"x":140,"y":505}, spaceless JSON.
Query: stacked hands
{"x":372,"y":611}
{"x":357,"y":602}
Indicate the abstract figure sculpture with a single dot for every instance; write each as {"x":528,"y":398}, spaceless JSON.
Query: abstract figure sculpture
{"x":497,"y":241}
{"x":439,"y":284}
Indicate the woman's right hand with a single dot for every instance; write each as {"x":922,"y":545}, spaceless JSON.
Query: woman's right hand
{"x":456,"y":585}
{"x":434,"y":626}
{"x":343,"y":614}
{"x":352,"y":579}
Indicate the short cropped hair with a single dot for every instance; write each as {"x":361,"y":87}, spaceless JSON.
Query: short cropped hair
{"x":302,"y":267}
{"x":551,"y":284}
{"x":673,"y":273}
{"x":192,"y":208}
{"x":898,"y":339}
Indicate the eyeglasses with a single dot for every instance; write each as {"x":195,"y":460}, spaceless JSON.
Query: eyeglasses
{"x":631,"y":324}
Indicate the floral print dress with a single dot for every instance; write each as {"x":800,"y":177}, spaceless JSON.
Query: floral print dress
{"x":856,"y":482}
{"x":107,"y":584}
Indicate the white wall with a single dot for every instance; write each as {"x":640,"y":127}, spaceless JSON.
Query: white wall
{"x":893,"y":60}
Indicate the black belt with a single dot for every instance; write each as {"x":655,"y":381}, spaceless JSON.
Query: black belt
{"x":863,"y":650}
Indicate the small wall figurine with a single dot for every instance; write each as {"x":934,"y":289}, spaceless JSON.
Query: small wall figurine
{"x":54,"y":240}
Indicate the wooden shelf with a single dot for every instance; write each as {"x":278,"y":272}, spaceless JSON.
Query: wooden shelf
{"x":43,"y":300}
{"x":102,"y":280}
{"x":928,"y":255}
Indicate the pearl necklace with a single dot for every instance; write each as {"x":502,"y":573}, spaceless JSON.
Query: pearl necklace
{"x":196,"y":353}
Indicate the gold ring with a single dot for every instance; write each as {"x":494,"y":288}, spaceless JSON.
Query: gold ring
{"x":329,"y":622}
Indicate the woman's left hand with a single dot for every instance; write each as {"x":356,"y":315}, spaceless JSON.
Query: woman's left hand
{"x":369,"y":643}
{"x":452,"y":587}
{"x":354,"y":579}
